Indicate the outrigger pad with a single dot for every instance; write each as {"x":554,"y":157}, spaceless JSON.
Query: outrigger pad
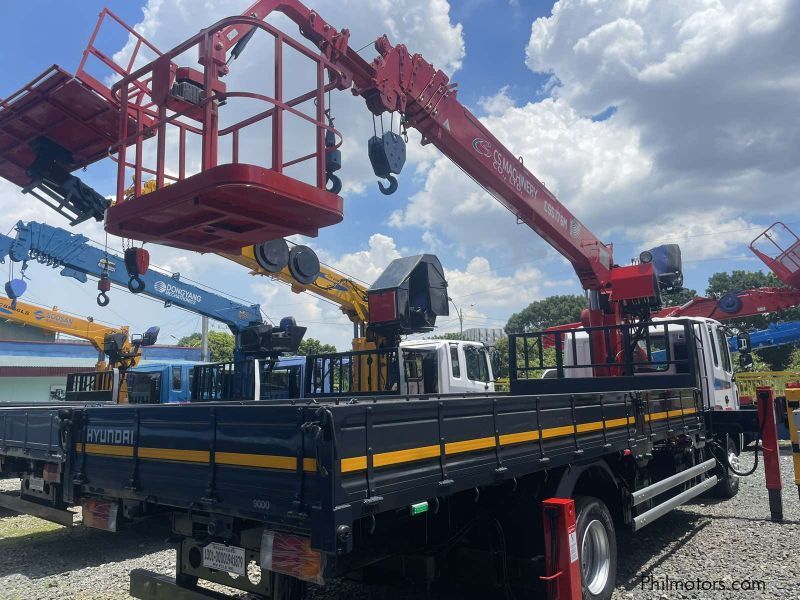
{"x":225,"y":208}
{"x":62,"y":109}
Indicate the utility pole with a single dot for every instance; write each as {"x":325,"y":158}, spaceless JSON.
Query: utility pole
{"x":460,"y":314}
{"x":204,"y":356}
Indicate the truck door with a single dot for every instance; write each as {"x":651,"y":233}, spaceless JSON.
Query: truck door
{"x":478,"y":370}
{"x":420,"y":371}
{"x":721,"y":373}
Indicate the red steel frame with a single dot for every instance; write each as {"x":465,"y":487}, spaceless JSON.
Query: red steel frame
{"x":74,"y":112}
{"x":135,"y":91}
{"x":562,"y":558}
{"x":785,"y":260}
{"x":229,"y":207}
{"x":771,"y":450}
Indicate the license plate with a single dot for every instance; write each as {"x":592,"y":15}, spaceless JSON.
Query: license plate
{"x":220,"y":557}
{"x":36,"y":484}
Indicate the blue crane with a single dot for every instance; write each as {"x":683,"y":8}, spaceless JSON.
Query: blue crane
{"x":77,"y":258}
{"x":776,"y":334}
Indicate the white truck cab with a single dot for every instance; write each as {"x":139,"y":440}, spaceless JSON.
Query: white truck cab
{"x":713,"y":354}
{"x":445,"y":367}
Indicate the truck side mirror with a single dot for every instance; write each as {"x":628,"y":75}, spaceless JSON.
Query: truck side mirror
{"x":495,"y":363}
{"x":150,"y":337}
{"x":743,"y":342}
{"x":745,"y":360}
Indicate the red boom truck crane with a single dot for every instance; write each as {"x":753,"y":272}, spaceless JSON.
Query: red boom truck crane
{"x":524,"y":491}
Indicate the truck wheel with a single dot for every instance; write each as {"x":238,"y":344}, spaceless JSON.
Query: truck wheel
{"x":728,"y":485}
{"x":597,"y":545}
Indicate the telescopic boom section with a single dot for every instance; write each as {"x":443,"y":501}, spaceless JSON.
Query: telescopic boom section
{"x":397,"y":81}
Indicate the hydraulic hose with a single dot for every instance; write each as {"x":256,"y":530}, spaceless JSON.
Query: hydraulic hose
{"x":726,"y":463}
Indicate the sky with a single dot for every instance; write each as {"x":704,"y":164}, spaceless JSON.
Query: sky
{"x":653,"y":121}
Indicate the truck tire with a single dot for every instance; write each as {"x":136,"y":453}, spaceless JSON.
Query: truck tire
{"x":597,"y":547}
{"x":728,"y":485}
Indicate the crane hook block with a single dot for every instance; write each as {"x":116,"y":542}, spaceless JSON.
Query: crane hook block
{"x":387,"y":154}
{"x":14,"y":289}
{"x":333,"y":162}
{"x":137,"y":261}
{"x":103,"y":285}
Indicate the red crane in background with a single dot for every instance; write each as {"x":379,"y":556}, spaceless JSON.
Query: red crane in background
{"x":779,"y":248}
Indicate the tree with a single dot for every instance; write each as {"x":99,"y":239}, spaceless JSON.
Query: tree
{"x":501,"y":347}
{"x":678,"y":297}
{"x":314,"y":346}
{"x":555,"y":310}
{"x":794,"y":361}
{"x":220,"y":344}
{"x":447,"y":336}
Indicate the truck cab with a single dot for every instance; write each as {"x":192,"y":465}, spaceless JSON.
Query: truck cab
{"x":445,"y":367}
{"x":161,"y":383}
{"x":667,"y":347}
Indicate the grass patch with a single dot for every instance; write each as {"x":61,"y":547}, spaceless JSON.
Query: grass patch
{"x":25,"y":525}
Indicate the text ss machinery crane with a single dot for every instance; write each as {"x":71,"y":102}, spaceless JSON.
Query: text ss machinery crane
{"x":77,"y":258}
{"x":114,"y":342}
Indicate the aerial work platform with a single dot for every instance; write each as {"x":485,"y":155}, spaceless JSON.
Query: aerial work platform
{"x":219,"y":210}
{"x":779,"y":248}
{"x":191,"y":171}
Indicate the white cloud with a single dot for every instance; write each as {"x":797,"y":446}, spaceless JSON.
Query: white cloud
{"x":710,"y":85}
{"x":702,"y":130}
{"x":585,"y":162}
{"x":498,"y":103}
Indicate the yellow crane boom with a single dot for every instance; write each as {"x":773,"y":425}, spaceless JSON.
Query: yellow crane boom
{"x":51,"y":319}
{"x":349,"y":295}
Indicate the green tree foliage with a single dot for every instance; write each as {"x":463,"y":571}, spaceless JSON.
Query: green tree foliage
{"x":314,"y":346}
{"x":447,"y":336}
{"x":793,"y":364}
{"x":548,"y":359}
{"x":220,"y":344}
{"x":501,"y":346}
{"x":678,"y":297}
{"x":555,"y":310}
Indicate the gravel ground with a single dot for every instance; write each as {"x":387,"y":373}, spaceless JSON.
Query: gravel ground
{"x":723,"y":542}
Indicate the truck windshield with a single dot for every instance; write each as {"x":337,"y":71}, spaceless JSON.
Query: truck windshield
{"x":144,"y":388}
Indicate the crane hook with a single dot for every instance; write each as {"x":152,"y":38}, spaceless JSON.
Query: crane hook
{"x":391,"y":188}
{"x":336,"y":184}
{"x":103,"y":299}
{"x":135,"y":284}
